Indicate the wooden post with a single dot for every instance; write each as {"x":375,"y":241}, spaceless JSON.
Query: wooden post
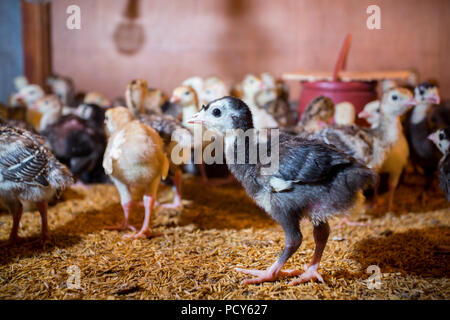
{"x":36,"y":41}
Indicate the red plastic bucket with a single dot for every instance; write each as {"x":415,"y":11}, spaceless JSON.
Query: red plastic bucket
{"x":358,"y":93}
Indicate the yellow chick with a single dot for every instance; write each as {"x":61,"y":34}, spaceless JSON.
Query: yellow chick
{"x":96,"y":98}
{"x":155,"y":100}
{"x":135,"y":96}
{"x":186,"y":96}
{"x":134,"y":156}
{"x":50,"y":109}
{"x":140,"y":99}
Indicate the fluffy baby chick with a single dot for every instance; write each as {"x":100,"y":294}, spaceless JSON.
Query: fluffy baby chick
{"x":96,"y":98}
{"x":371,"y":113}
{"x":28,"y":172}
{"x":186,"y":96}
{"x":213,"y":88}
{"x":195,"y":83}
{"x":344,"y":114}
{"x":76,"y":142}
{"x":419,"y":124}
{"x":21,"y":101}
{"x":27,"y":95}
{"x":271,"y":101}
{"x":139,"y":100}
{"x":236,"y":90}
{"x":156,"y":99}
{"x":92,"y":113}
{"x":173,"y":134}
{"x":251,"y":85}
{"x":17,"y":124}
{"x":317,"y":115}
{"x":383,"y":148}
{"x":442,"y":140}
{"x":50,"y":108}
{"x":134,"y":156}
{"x":312,"y":180}
{"x":64,"y":88}
{"x":135,"y":96}
{"x":268,"y":80}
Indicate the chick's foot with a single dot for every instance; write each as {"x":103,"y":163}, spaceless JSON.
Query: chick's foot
{"x":269,"y":275}
{"x":148,"y":234}
{"x":351,"y":223}
{"x":310,"y":274}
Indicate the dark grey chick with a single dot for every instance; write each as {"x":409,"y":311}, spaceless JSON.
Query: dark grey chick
{"x":310,"y":180}
{"x":28,"y":172}
{"x":419,"y":124}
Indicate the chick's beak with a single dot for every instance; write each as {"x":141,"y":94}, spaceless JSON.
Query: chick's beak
{"x":410,"y":102}
{"x":433,"y":137}
{"x":364,"y":115}
{"x":197,"y":118}
{"x":434,"y":99}
{"x":174,"y":99}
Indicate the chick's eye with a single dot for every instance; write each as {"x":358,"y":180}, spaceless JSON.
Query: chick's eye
{"x":422,"y":92}
{"x":187,"y":93}
{"x":216,"y":113}
{"x":394,"y":97}
{"x":441,"y":136}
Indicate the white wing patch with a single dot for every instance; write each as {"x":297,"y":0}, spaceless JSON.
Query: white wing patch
{"x":117,"y":142}
{"x":115,"y":151}
{"x":279,"y":185}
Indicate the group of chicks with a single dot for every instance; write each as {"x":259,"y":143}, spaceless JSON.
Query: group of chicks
{"x":326,"y":161}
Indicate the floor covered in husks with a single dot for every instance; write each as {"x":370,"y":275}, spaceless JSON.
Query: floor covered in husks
{"x":219,"y":229}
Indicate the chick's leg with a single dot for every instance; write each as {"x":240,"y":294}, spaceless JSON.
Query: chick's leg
{"x":321,"y":233}
{"x":393,"y":182}
{"x":126,"y":202}
{"x":43,"y":210}
{"x":293,"y":239}
{"x":177,"y":200}
{"x":16,"y":211}
{"x":149,"y":202}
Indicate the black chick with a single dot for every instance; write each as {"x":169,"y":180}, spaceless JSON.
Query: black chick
{"x":442,"y":140}
{"x":312,"y":180}
{"x":419,"y":124}
{"x":92,"y":112}
{"x":80,"y":145}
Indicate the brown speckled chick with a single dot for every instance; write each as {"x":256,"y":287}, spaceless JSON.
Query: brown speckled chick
{"x":28,"y":172}
{"x":134,"y":156}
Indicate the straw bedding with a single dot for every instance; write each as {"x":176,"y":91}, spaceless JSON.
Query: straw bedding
{"x":219,"y":229}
